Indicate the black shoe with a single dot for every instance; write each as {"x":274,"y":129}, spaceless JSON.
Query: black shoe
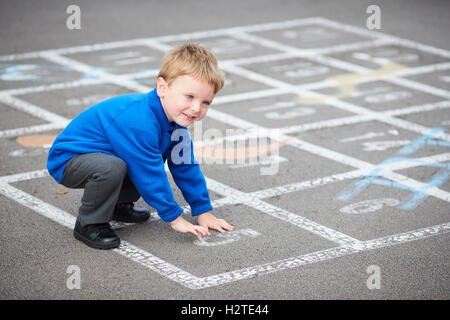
{"x":98,"y":236}
{"x":126,"y":212}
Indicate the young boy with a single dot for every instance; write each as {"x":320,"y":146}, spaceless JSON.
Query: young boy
{"x":116,"y":151}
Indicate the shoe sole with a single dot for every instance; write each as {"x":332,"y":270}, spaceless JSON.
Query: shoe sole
{"x":128,"y":220}
{"x":96,"y":245}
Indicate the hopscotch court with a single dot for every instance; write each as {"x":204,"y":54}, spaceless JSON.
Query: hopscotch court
{"x":361,"y":119}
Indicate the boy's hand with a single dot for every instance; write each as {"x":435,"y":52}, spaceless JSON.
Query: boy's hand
{"x":207,"y":220}
{"x":183,"y":226}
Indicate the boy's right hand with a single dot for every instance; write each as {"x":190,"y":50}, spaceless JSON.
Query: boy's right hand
{"x":183,"y":226}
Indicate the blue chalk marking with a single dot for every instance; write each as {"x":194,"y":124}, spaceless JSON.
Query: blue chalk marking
{"x":15,"y":72}
{"x":34,"y":72}
{"x":360,"y":185}
{"x":425,"y":139}
{"x":418,"y":194}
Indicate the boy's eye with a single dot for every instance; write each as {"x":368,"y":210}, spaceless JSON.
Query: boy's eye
{"x":189,"y":96}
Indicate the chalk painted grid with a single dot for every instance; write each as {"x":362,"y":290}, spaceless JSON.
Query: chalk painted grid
{"x":346,"y":244}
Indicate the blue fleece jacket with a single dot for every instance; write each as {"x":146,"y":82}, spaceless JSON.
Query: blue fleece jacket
{"x":135,"y":128}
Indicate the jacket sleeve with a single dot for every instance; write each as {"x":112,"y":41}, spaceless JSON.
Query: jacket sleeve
{"x":137,"y":143}
{"x":187,"y":174}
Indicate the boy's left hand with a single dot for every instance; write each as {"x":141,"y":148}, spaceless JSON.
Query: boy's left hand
{"x":207,"y":220}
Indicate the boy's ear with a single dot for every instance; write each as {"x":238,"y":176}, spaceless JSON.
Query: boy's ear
{"x":161,"y":86}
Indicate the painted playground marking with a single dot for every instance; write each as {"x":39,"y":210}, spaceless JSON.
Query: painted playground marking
{"x":356,"y":74}
{"x":188,"y":280}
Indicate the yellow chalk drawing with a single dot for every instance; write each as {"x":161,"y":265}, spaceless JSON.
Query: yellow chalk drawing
{"x":346,"y":83}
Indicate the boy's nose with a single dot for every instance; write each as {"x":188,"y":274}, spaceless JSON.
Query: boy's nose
{"x":195,"y":107}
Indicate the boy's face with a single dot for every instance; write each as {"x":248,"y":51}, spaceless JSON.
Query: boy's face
{"x":186,"y":99}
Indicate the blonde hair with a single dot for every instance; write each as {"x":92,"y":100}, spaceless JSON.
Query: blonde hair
{"x":193,"y":60}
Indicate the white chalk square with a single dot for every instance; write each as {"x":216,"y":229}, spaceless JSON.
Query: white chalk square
{"x":389,"y":56}
{"x":21,"y":119}
{"x":254,"y":233}
{"x":375,"y":142}
{"x":436,"y":118}
{"x":377,"y":210}
{"x":235,"y":84}
{"x":70,"y":101}
{"x":121,"y":60}
{"x":311,"y":36}
{"x":294,"y":71}
{"x":281,"y":111}
{"x":378,"y":95}
{"x":437,"y":78}
{"x":228,"y":48}
{"x":297,"y":165}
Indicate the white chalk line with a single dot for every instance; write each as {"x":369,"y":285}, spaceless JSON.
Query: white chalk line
{"x":332,"y":101}
{"x":55,"y":121}
{"x":343,"y":160}
{"x":394,"y":78}
{"x":45,"y":209}
{"x":348,"y":245}
{"x":162,"y":47}
{"x":33,"y":110}
{"x":236,"y":61}
{"x":168,"y":38}
{"x":104,"y":77}
{"x":336,"y":156}
{"x":337,"y":122}
{"x":242,"y":61}
{"x":332,"y":155}
{"x":7,"y":94}
{"x":50,"y":87}
{"x":54,"y":57}
{"x":232,"y":197}
{"x":342,"y":65}
{"x":188,"y":280}
{"x":324,"y":255}
{"x":30,"y":130}
{"x":126,"y":249}
{"x":84,"y":68}
{"x":372,"y":33}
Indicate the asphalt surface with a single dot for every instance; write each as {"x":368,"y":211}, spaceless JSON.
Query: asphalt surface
{"x":314,"y":229}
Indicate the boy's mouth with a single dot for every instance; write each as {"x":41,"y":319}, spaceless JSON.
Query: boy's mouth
{"x":189,"y":117}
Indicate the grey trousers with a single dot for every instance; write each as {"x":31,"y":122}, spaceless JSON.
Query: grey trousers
{"x":105,"y":182}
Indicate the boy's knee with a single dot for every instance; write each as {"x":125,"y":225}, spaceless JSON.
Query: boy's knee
{"x":114,"y":170}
